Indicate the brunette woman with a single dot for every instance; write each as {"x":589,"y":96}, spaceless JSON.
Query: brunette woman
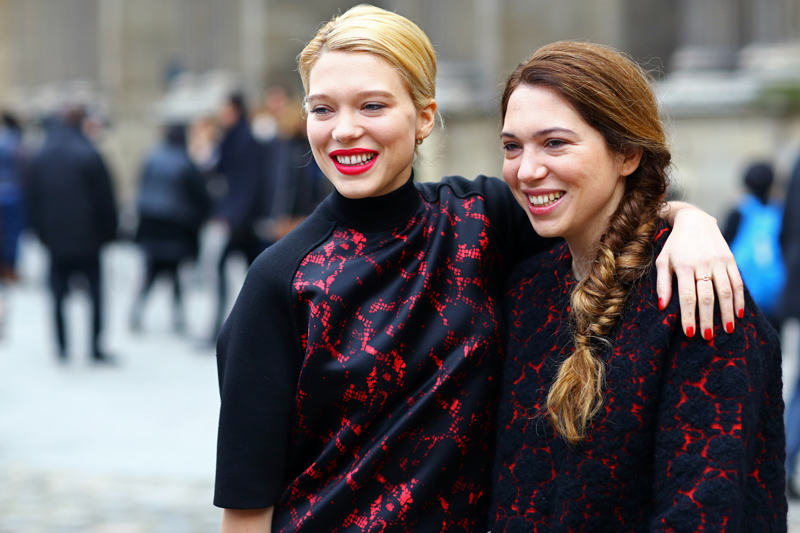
{"x":610,"y":418}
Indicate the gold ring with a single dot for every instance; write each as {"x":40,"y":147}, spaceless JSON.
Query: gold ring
{"x":705,"y":277}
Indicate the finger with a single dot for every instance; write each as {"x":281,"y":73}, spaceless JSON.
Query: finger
{"x":663,"y":282}
{"x":722,"y":287}
{"x":705,"y":308}
{"x":687,"y":291}
{"x":737,"y":285}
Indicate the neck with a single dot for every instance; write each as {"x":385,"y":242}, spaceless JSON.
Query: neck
{"x":582,"y":260}
{"x":583,"y":249}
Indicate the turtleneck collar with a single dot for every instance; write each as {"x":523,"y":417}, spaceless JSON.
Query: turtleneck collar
{"x":375,"y":213}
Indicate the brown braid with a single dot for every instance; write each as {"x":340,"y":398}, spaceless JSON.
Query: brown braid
{"x":612,"y":94}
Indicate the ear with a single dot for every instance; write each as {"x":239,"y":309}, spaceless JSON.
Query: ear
{"x":426,"y":118}
{"x":629,"y":161}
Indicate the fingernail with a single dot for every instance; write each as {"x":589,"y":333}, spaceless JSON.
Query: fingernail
{"x":729,"y":327}
{"x":741,"y":313}
{"x":690,"y":331}
{"x":707,"y":334}
{"x":661,"y":304}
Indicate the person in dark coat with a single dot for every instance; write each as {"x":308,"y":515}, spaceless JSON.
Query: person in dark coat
{"x":12,"y":213}
{"x":172,"y":204}
{"x":790,"y":308}
{"x":292,"y":184}
{"x":239,"y":164}
{"x":74,"y":213}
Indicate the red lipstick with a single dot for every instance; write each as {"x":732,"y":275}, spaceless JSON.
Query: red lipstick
{"x":351,"y":170}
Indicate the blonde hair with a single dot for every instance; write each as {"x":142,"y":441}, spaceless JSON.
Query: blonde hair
{"x":613,"y":95}
{"x":365,"y":28}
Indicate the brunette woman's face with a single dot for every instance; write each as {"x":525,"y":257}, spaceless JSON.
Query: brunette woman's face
{"x":560,"y":168}
{"x":362,"y":124}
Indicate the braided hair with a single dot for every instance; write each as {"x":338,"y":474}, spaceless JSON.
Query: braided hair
{"x":613,"y":95}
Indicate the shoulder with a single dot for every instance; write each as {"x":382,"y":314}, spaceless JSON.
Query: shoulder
{"x":461,"y":187}
{"x":287,"y":252}
{"x":541,"y":279}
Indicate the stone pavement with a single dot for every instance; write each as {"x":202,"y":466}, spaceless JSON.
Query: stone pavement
{"x":124,"y":449}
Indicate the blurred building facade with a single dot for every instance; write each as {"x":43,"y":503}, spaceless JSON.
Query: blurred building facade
{"x":729,"y":69}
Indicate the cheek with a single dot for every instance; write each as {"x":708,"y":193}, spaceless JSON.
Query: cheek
{"x":317,"y":135}
{"x":510,"y":170}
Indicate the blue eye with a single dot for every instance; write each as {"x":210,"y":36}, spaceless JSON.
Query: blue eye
{"x":319,"y":110}
{"x":374,"y":107}
{"x":555,"y":143}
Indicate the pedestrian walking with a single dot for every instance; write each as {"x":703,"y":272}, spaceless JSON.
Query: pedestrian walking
{"x":237,"y":208}
{"x":172,"y":203}
{"x":74,"y":214}
{"x":12,"y":213}
{"x":789,"y":308}
{"x":753,"y":231}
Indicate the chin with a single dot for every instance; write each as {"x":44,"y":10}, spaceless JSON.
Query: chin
{"x":548,"y":232}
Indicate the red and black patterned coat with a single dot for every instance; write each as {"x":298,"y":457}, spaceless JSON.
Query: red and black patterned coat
{"x":690,"y":437}
{"x":359,"y":366}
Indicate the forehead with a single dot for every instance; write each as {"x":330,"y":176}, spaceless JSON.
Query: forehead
{"x":348,"y":72}
{"x":536,"y":106}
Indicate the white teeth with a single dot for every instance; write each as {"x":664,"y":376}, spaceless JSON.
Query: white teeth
{"x":358,"y":159}
{"x":544,"y":199}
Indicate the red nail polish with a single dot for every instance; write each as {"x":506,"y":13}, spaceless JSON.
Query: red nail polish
{"x":729,"y":327}
{"x":741,"y":313}
{"x":707,"y":334}
{"x":661,"y":304}
{"x":690,"y":331}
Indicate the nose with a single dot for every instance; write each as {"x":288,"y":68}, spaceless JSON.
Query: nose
{"x":531,"y":167}
{"x":347,"y":127}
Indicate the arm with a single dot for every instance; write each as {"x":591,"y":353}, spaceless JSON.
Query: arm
{"x":719,"y":434}
{"x":695,"y":249}
{"x":258,"y":355}
{"x":247,"y":520}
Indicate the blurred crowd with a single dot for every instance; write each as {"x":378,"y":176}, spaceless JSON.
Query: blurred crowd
{"x":242,"y":179}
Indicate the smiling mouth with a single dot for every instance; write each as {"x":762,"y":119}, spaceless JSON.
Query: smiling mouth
{"x":354,"y":160}
{"x":543,"y":200}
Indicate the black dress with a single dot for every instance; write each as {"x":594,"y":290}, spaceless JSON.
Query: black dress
{"x":358,"y":368}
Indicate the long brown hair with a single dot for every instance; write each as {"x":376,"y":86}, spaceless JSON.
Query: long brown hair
{"x":613,"y":95}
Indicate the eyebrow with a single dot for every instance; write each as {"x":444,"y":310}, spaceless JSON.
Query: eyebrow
{"x":541,"y":133}
{"x":376,"y":93}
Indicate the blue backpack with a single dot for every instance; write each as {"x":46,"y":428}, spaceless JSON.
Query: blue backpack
{"x":757,"y":251}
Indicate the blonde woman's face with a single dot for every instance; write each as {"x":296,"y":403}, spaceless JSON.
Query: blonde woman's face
{"x":560,"y":168}
{"x":362,"y":124}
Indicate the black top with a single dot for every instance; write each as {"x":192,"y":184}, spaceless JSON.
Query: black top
{"x":358,"y":368}
{"x":690,"y":437}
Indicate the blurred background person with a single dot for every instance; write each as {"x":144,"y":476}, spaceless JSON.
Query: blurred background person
{"x":73,"y":212}
{"x":172,"y":203}
{"x":752,"y":230}
{"x":236,"y":205}
{"x":790,"y":309}
{"x":292,"y":183}
{"x":11,"y":193}
{"x":269,"y":119}
{"x":2,"y":291}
